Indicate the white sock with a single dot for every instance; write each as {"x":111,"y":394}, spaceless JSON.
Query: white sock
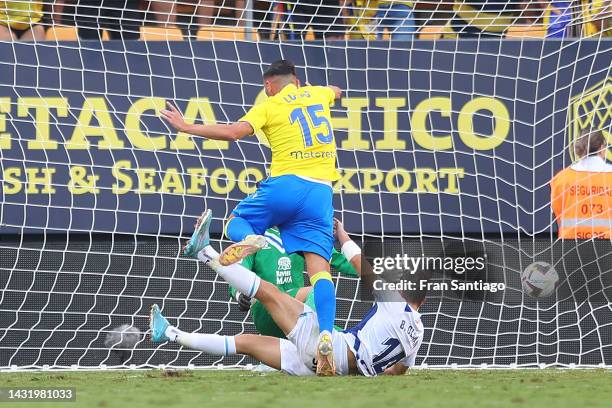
{"x":209,"y":343}
{"x":172,"y":333}
{"x":208,"y":253}
{"x":236,"y":275}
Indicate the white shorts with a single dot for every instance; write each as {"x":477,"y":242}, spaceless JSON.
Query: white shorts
{"x":305,"y":339}
{"x":290,"y":360}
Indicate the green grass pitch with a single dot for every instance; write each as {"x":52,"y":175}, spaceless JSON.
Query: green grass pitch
{"x":419,"y":389}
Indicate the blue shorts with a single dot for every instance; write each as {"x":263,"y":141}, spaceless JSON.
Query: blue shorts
{"x":303,"y":211}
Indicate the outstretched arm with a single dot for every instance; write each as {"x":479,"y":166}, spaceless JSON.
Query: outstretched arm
{"x":349,"y":249}
{"x":342,"y":265}
{"x":364,"y":269}
{"x":229,"y":132}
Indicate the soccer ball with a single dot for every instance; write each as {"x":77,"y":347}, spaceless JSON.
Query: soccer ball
{"x":122,"y":340}
{"x":539,"y":280}
{"x":123,"y":337}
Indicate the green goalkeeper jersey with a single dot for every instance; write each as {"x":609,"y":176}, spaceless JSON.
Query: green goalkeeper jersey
{"x":286,"y":272}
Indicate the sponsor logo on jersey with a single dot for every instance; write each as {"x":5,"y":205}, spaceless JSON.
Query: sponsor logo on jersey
{"x":283,"y":271}
{"x":299,"y":154}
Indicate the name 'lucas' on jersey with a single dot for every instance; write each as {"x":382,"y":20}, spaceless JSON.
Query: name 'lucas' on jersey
{"x":297,"y":124}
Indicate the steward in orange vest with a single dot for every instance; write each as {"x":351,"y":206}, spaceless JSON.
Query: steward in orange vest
{"x":581,"y":195}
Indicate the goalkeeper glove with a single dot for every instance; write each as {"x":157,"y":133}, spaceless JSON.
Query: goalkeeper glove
{"x":244,"y":302}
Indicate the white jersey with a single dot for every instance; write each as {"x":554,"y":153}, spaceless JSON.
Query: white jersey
{"x":390,"y":333}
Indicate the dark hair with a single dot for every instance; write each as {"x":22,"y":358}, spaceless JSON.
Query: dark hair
{"x":280,"y":68}
{"x":589,"y":143}
{"x":418,"y":294}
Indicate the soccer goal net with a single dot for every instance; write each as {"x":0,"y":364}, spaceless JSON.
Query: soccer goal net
{"x":455,"y":117}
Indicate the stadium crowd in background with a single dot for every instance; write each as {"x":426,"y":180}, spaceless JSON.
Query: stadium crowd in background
{"x":21,"y":21}
{"x":121,"y":19}
{"x":397,"y":17}
{"x":312,"y":19}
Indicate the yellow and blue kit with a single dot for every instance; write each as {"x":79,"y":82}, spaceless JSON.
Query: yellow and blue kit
{"x":297,"y":197}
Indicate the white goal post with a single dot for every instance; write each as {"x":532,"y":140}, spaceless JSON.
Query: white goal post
{"x":449,"y":132}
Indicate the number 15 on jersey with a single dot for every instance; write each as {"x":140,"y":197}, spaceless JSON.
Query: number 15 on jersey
{"x":317,"y":120}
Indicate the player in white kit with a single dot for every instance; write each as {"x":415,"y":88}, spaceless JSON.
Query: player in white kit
{"x":385,"y":341}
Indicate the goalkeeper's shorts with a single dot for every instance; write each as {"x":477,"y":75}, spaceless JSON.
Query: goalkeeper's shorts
{"x":302,"y":210}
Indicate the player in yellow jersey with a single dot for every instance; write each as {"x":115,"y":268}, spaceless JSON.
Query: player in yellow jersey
{"x":297,"y":197}
{"x":20,"y":20}
{"x":359,"y":16}
{"x":597,"y":17}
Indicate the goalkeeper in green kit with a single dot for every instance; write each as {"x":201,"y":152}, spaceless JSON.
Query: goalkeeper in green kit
{"x":286,"y":272}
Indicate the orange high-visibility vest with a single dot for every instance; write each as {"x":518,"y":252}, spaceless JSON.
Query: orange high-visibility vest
{"x":582,"y":201}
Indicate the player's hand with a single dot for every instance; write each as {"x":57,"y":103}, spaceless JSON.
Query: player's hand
{"x":244,"y":302}
{"x":341,"y":235}
{"x":174,"y":117}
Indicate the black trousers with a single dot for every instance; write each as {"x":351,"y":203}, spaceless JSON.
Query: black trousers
{"x":323,"y":16}
{"x":121,"y":18}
